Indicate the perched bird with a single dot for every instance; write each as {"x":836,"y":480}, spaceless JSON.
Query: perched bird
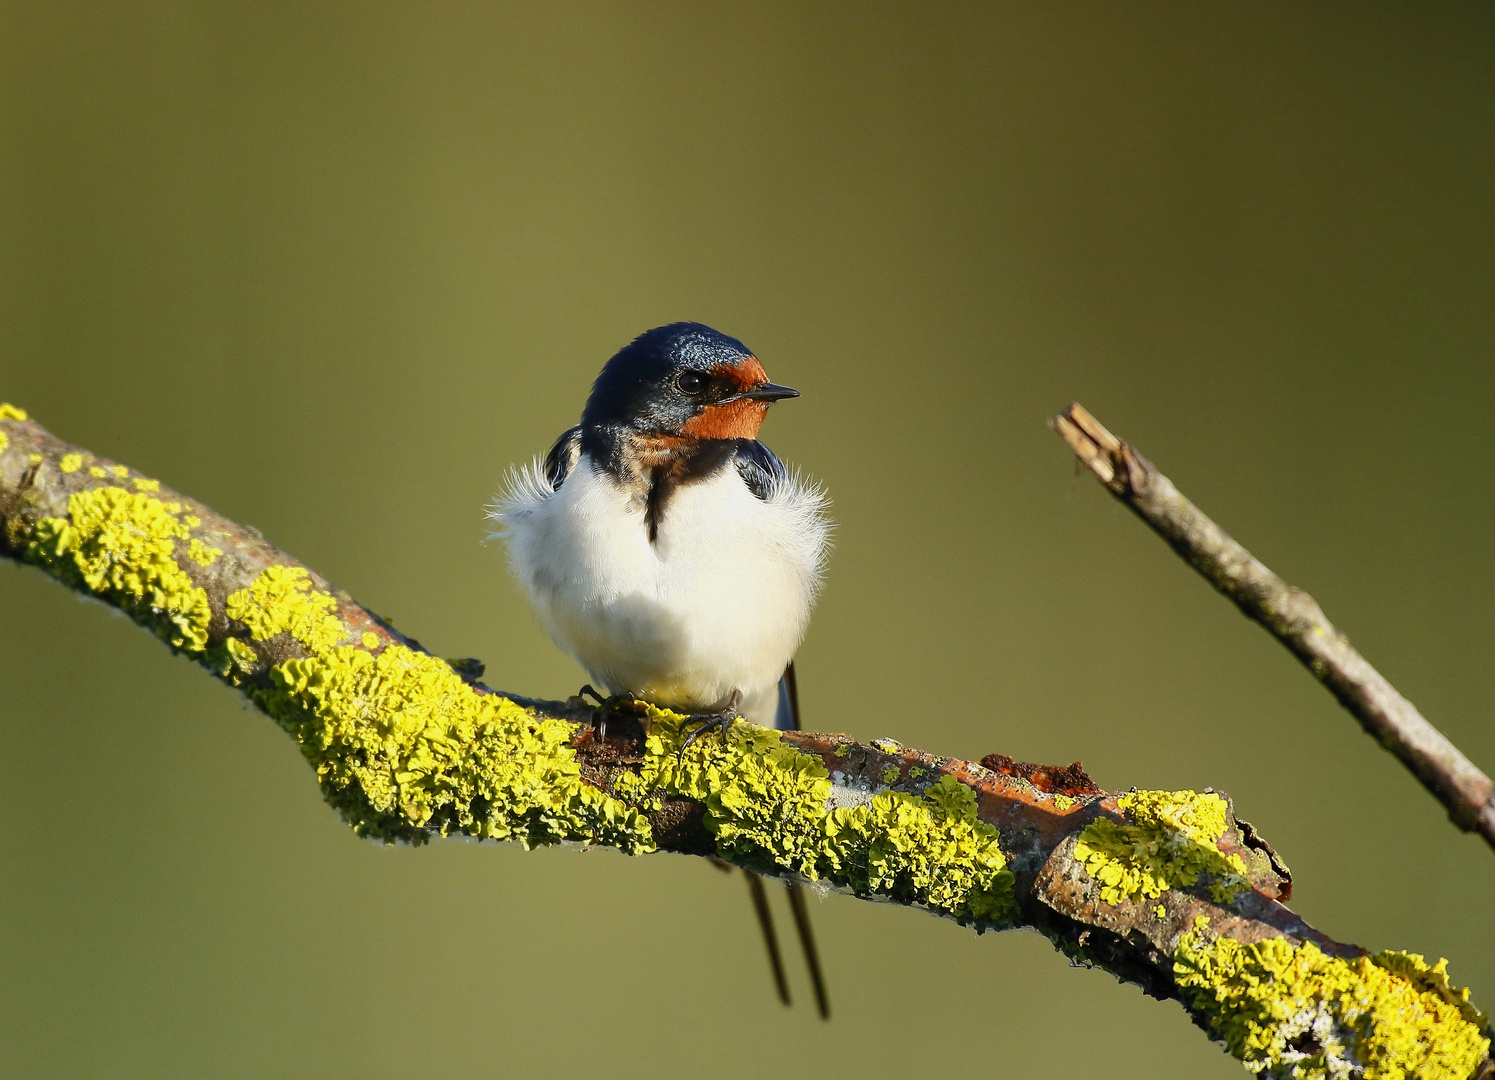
{"x":672,"y":553}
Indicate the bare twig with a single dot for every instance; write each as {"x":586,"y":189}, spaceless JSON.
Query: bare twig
{"x":1292,"y":617}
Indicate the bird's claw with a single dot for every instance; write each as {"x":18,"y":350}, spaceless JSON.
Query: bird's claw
{"x":717,"y":721}
{"x":624,"y":703}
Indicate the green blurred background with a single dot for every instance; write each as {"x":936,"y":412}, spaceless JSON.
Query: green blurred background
{"x":332,"y":268}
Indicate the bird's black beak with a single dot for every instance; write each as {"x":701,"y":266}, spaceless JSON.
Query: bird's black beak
{"x":769,"y":392}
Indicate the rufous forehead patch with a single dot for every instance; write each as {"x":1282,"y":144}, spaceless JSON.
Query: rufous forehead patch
{"x":748,"y":373}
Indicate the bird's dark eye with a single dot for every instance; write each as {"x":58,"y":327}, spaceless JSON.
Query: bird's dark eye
{"x":691,"y":382}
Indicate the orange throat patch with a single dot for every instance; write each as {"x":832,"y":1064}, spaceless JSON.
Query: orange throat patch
{"x":735,"y":420}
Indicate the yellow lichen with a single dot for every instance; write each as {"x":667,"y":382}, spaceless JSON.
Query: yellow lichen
{"x":767,"y":806}
{"x":120,"y":471}
{"x":11,"y":412}
{"x":121,"y":545}
{"x":1063,"y":803}
{"x":891,"y":774}
{"x":1170,"y":840}
{"x":931,"y":849}
{"x":96,"y":472}
{"x":4,"y":442}
{"x":70,"y":463}
{"x":763,"y":799}
{"x":403,"y":747}
{"x":241,"y":655}
{"x":1293,"y":1011}
{"x":1434,"y":980}
{"x":370,"y":640}
{"x":142,"y":484}
{"x":35,"y":459}
{"x":231,"y":660}
{"x":283,"y":600}
{"x":202,"y":554}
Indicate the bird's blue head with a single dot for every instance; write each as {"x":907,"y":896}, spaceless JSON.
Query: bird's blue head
{"x":684,"y":379}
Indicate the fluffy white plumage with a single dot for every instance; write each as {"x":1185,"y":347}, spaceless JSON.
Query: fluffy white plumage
{"x":717,"y":602}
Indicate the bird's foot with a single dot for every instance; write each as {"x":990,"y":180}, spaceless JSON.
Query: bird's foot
{"x":624,"y":704}
{"x":717,"y":721}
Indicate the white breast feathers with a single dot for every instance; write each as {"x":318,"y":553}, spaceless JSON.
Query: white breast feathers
{"x":717,"y":602}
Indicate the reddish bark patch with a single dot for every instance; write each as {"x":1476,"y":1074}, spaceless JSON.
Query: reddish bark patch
{"x":1070,"y":780}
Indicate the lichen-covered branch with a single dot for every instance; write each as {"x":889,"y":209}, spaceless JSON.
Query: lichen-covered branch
{"x":1291,"y":616}
{"x":1169,"y":890}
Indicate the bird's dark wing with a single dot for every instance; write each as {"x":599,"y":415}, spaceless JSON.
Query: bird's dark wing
{"x":562,"y":457}
{"x":786,"y":718}
{"x":759,"y":467}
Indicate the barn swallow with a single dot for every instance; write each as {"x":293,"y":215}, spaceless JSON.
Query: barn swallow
{"x":672,"y":553}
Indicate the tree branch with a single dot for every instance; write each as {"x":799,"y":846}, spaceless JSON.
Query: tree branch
{"x":1291,"y":616}
{"x":1168,"y":890}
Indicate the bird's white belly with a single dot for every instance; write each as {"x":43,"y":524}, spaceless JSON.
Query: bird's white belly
{"x":717,"y":602}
